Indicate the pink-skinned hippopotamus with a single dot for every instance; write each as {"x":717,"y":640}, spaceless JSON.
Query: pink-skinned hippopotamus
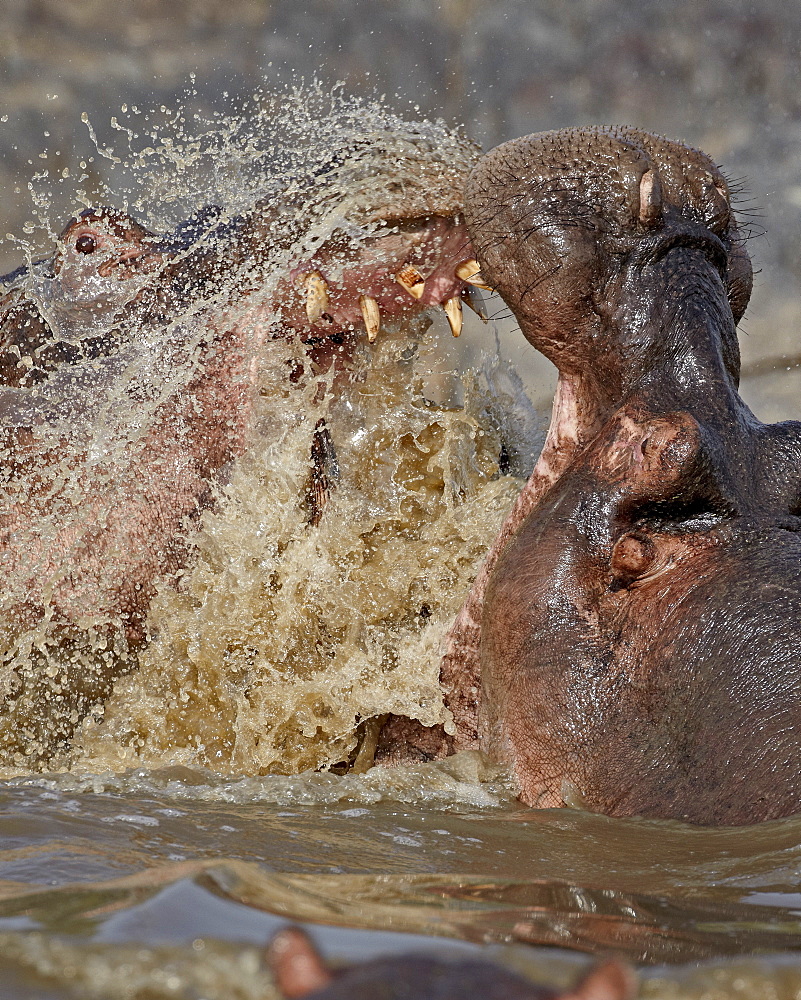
{"x":127,"y":374}
{"x":634,"y":633}
{"x":76,"y":326}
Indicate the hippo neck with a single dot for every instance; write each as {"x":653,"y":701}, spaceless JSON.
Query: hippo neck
{"x":672,"y":349}
{"x":678,"y":338}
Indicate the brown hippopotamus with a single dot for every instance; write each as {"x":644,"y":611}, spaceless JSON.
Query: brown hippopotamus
{"x":299,"y":972}
{"x":635,"y":631}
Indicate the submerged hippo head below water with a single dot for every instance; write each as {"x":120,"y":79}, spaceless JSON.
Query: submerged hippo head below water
{"x":631,"y":642}
{"x":299,"y":971}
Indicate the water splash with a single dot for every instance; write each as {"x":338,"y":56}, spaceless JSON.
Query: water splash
{"x":270,"y":636}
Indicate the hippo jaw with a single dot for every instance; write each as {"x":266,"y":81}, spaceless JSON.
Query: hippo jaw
{"x":614,"y":673}
{"x":131,"y":363}
{"x":566,"y":223}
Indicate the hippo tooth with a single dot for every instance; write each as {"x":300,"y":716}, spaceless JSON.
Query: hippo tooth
{"x":650,"y":198}
{"x":470,"y":271}
{"x":453,"y":310}
{"x":471,"y":296}
{"x":410,"y":278}
{"x":371,"y":315}
{"x":316,"y":296}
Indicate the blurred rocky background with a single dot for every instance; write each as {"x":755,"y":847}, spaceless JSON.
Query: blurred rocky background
{"x":723,"y":75}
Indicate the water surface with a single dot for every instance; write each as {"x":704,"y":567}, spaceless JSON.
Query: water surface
{"x":169,"y":882}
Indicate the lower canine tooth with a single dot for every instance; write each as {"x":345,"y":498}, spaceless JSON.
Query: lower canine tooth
{"x":471,"y":296}
{"x":371,"y":315}
{"x":410,"y":278}
{"x":316,"y":296}
{"x":453,"y":310}
{"x":470,"y":271}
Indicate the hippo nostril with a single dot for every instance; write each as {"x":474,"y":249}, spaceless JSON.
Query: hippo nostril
{"x":650,"y":198}
{"x":86,"y":244}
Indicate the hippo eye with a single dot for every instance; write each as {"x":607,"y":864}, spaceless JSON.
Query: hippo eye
{"x":86,"y":244}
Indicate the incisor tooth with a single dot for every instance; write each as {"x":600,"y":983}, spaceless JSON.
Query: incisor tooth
{"x":371,"y":315}
{"x":453,"y":310}
{"x":471,"y":296}
{"x":410,"y":278}
{"x":316,"y":296}
{"x":470,"y":271}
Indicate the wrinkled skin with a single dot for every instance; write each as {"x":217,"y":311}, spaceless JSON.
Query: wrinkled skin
{"x":636,"y":626}
{"x":300,"y":972}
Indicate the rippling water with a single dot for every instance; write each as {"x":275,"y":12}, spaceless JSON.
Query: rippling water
{"x":165,"y":883}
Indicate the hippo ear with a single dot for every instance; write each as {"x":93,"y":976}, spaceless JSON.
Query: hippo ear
{"x":610,"y":980}
{"x":295,"y":964}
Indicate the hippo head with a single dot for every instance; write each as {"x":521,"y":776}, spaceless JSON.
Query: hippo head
{"x":639,"y":618}
{"x":299,"y":971}
{"x":134,"y":368}
{"x":566,"y":223}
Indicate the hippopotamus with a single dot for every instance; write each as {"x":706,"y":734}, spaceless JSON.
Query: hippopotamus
{"x":128,"y":369}
{"x":299,"y":971}
{"x":635,"y":630}
{"x":76,"y":323}
{"x":629,"y":645}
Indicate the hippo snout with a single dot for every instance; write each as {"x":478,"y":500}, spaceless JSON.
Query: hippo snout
{"x":552,"y":218}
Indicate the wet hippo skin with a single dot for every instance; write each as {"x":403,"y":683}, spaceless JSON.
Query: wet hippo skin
{"x":299,"y":971}
{"x":637,"y":624}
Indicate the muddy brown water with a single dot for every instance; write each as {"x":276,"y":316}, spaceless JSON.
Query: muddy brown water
{"x":167,"y":882}
{"x":153,"y":853}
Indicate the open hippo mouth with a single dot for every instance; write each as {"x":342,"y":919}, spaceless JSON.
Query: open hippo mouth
{"x":630,"y":644}
{"x":136,"y":366}
{"x":634,"y":631}
{"x":109,"y":293}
